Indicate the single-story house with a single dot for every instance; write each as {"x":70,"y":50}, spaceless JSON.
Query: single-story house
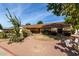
{"x":58,"y":27}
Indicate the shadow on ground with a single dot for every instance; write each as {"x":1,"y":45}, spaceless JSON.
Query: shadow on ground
{"x":65,"y":50}
{"x":56,"y":37}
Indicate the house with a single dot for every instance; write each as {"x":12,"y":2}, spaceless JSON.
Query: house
{"x":8,"y":30}
{"x":35,"y":28}
{"x":56,"y":27}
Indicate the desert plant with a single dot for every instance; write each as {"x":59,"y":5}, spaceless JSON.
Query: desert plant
{"x":16,"y":24}
{"x":26,"y":32}
{"x":3,"y":35}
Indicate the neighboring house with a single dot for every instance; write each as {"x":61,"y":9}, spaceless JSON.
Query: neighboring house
{"x":8,"y":30}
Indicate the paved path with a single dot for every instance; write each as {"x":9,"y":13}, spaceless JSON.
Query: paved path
{"x":33,"y":47}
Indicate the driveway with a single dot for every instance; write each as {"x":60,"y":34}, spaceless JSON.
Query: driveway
{"x":32,"y":46}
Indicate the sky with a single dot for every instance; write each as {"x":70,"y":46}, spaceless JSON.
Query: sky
{"x":28,"y":13}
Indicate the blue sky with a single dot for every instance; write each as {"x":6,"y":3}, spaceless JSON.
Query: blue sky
{"x":28,"y":13}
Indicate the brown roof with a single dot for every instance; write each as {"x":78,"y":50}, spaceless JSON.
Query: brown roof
{"x":59,"y":24}
{"x":35,"y":26}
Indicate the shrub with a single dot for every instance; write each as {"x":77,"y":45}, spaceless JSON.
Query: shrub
{"x":14,"y":38}
{"x":26,"y":32}
{"x":3,"y":35}
{"x":66,"y":33}
{"x":73,"y":31}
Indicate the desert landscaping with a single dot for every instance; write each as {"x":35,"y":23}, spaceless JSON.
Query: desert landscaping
{"x":38,"y":33}
{"x":36,"y":45}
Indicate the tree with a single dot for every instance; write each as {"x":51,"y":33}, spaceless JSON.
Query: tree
{"x":28,"y":24}
{"x":39,"y":22}
{"x":1,"y":26}
{"x":71,"y":11}
{"x":16,"y":24}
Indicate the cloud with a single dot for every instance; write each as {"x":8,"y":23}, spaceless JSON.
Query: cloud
{"x":35,"y":16}
{"x":17,"y":10}
{"x":29,"y":13}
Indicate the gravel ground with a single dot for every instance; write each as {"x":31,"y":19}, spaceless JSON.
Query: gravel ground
{"x":33,"y":46}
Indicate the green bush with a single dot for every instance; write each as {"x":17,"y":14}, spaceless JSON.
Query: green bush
{"x":14,"y":38}
{"x":26,"y":32}
{"x":73,"y":31}
{"x":3,"y":35}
